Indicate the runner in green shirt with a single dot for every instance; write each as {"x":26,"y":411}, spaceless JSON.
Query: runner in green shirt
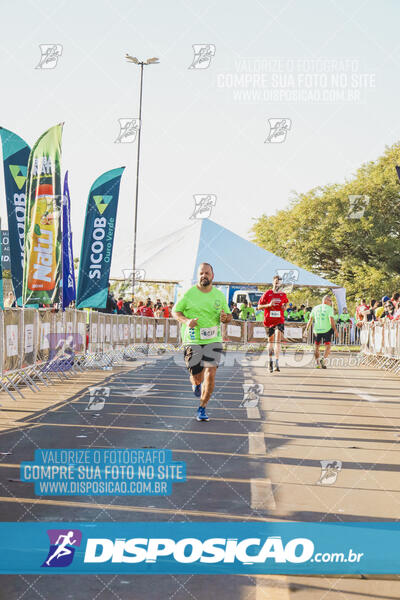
{"x":344,"y":317}
{"x":259,"y":315}
{"x":322,"y":316}
{"x":201,"y":311}
{"x":252,"y":313}
{"x":246,"y":311}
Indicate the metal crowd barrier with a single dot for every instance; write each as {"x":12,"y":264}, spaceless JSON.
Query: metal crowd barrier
{"x":253,"y":332}
{"x":42,"y":346}
{"x":129,"y":332}
{"x":115,"y":337}
{"x":117,"y":332}
{"x":380,"y":345}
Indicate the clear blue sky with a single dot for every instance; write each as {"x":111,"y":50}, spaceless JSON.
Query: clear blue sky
{"x":200,"y":136}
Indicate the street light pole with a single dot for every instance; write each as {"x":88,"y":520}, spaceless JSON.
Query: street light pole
{"x":149,"y":61}
{"x":137,"y":182}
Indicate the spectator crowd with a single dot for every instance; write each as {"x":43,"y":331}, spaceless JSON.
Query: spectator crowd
{"x":388,"y":308}
{"x":147,"y":308}
{"x":248,"y":312}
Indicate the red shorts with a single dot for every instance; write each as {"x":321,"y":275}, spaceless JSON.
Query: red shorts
{"x":272,"y":323}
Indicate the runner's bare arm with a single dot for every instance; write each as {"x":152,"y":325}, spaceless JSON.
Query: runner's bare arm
{"x":333,"y":324}
{"x":310,"y":320}
{"x":270,"y":305}
{"x":225,"y":317}
{"x":179,"y":316}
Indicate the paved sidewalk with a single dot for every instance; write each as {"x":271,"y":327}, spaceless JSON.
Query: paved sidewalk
{"x":247,"y":464}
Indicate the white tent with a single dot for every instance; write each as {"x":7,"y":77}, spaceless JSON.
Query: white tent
{"x":176,"y":257}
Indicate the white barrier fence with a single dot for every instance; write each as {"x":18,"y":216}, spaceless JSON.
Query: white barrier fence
{"x":41,"y":338}
{"x":40,"y":345}
{"x":110,"y":333}
{"x":116,"y":337}
{"x":113,"y":331}
{"x":380,"y":345}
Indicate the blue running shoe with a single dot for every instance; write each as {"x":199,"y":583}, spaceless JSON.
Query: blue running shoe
{"x":197,"y":390}
{"x":201,"y":414}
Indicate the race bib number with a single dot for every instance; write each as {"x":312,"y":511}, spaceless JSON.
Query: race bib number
{"x":275,"y":314}
{"x":207,"y":333}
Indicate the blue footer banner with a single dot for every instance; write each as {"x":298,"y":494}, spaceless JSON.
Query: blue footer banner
{"x":200,"y":547}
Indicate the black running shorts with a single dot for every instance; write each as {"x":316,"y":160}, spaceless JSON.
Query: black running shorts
{"x":271,"y":330}
{"x":324,"y":337}
{"x":198,"y":356}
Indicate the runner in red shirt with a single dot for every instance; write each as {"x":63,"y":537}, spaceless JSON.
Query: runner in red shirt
{"x":274,"y":303}
{"x":165,"y":310}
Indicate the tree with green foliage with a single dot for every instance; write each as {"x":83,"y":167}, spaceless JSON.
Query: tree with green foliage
{"x":348,"y":233}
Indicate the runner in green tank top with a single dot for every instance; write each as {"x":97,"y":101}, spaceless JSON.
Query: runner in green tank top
{"x":201,"y":311}
{"x":322,"y":316}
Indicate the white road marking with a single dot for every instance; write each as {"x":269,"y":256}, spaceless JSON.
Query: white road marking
{"x":275,"y":587}
{"x":362,"y":395}
{"x":257,"y":443}
{"x":253,"y":412}
{"x":262,"y":495}
{"x":139,"y":392}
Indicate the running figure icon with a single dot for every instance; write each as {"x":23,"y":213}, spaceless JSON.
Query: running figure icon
{"x":62,"y":550}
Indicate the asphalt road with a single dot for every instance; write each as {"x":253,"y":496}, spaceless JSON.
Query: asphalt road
{"x":249,"y":463}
